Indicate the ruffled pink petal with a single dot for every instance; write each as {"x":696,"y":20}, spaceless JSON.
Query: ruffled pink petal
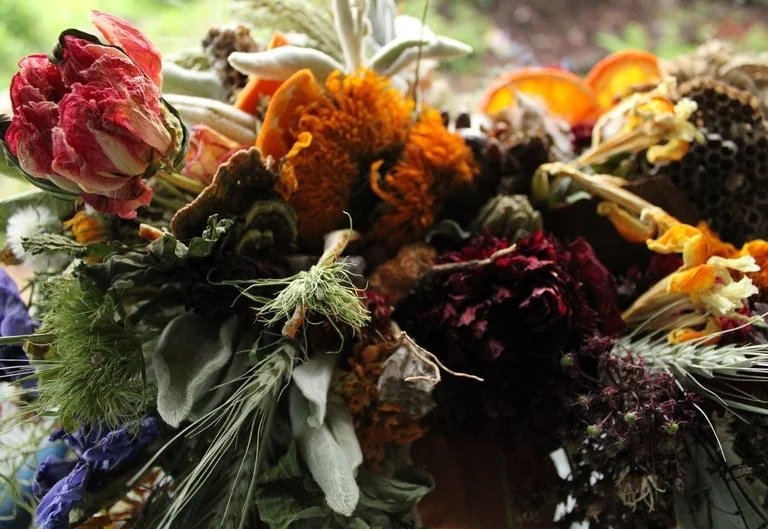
{"x":93,"y":148}
{"x":85,"y":62}
{"x":67,"y":163}
{"x":122,"y":202}
{"x":138,"y":47}
{"x":29,"y":137}
{"x":38,"y":79}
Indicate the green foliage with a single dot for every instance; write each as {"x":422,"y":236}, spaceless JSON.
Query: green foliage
{"x":162,"y":260}
{"x":52,"y":242}
{"x":237,"y":430}
{"x":288,"y":500}
{"x":635,"y":35}
{"x":93,"y":373}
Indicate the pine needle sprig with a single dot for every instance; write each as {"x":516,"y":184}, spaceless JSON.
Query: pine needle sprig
{"x":94,"y":370}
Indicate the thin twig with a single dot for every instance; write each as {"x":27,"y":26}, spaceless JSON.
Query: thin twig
{"x":474,"y":263}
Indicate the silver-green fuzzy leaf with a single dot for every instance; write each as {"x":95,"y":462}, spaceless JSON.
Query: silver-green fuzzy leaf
{"x":440,"y":48}
{"x":381,"y":14}
{"x":221,"y":117}
{"x":348,"y":27}
{"x":280,"y":63}
{"x":391,"y":52}
{"x":189,"y":357}
{"x":202,"y":83}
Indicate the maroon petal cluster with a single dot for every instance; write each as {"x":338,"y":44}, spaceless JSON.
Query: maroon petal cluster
{"x":512,"y":322}
{"x":92,"y":121}
{"x":543,"y":298}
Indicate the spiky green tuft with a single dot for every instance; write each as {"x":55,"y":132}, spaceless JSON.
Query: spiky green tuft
{"x":93,"y":373}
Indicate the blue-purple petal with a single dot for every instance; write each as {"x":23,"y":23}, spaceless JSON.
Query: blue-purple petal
{"x":52,"y":470}
{"x":53,"y":510}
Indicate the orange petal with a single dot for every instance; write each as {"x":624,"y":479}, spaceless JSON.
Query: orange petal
{"x":565,"y":94}
{"x":716,"y":245}
{"x":257,"y":88}
{"x":696,"y":251}
{"x":758,"y":249}
{"x":674,"y":239}
{"x":614,"y":77}
{"x":285,"y":108}
{"x":692,"y":280}
{"x":687,"y":334}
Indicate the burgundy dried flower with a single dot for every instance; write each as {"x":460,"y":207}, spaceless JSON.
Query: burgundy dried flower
{"x":511,"y":322}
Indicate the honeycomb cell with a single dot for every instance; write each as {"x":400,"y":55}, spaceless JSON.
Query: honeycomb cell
{"x":725,"y":177}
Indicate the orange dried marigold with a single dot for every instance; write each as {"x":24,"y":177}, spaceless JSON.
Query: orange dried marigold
{"x":328,"y":136}
{"x":433,"y":163}
{"x":377,"y":423}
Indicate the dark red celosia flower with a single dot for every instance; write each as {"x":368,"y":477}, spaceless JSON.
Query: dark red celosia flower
{"x":543,"y":298}
{"x":511,"y":322}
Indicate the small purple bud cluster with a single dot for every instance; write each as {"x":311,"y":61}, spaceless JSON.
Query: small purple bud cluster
{"x":628,"y":426}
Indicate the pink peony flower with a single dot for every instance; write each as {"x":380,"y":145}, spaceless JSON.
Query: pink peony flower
{"x":91,"y":120}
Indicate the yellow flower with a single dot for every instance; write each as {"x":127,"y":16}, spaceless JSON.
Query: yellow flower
{"x":645,"y":121}
{"x":714,"y":275}
{"x":86,"y":227}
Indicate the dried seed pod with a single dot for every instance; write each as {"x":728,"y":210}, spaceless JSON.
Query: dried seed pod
{"x":218,"y":44}
{"x":510,"y":216}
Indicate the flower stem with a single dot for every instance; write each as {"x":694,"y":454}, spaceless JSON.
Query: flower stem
{"x":181,"y":182}
{"x":37,"y":339}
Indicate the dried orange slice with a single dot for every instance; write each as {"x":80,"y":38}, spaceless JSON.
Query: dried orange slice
{"x":615,"y":75}
{"x":565,"y":94}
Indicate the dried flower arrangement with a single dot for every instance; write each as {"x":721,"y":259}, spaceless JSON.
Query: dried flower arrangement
{"x":273,"y":290}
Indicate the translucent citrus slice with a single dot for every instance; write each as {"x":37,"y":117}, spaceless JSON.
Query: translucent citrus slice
{"x":565,"y":94}
{"x":615,"y":75}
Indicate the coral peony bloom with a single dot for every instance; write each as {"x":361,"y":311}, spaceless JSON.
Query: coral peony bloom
{"x":91,"y":121}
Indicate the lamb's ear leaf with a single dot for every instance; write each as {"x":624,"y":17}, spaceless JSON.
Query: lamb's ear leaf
{"x":282,"y":62}
{"x":385,"y":57}
{"x":438,"y":48}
